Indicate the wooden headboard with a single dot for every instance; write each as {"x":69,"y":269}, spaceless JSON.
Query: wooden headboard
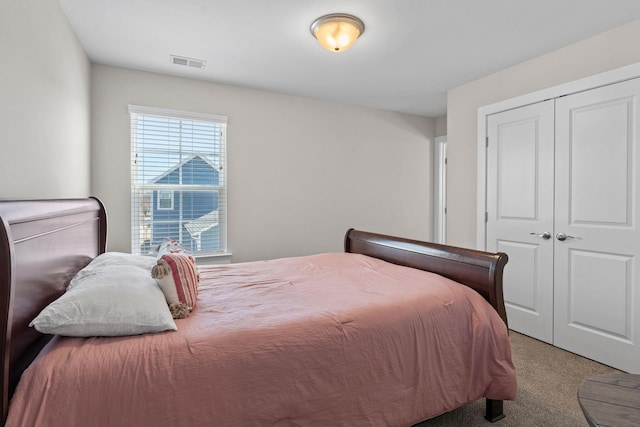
{"x":481,"y":271}
{"x":43,"y":244}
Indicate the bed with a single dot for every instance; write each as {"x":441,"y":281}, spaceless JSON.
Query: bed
{"x":366,"y":375}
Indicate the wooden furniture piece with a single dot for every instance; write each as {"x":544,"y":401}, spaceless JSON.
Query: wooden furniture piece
{"x":611,"y":400}
{"x":481,"y":271}
{"x":44,"y":243}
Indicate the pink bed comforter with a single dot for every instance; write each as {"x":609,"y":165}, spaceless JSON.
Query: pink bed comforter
{"x":326,"y":340}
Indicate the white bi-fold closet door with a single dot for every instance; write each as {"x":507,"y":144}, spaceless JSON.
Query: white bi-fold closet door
{"x":563,"y":201}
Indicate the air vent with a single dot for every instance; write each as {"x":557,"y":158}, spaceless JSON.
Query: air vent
{"x":188,"y":62}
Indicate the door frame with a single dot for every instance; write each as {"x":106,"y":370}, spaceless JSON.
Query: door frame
{"x":602,"y":79}
{"x":440,"y":191}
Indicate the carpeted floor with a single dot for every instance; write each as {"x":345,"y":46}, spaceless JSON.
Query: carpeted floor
{"x":548,"y":380}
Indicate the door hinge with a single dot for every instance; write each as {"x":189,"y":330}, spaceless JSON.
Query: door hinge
{"x":486,"y":217}
{"x":486,"y":142}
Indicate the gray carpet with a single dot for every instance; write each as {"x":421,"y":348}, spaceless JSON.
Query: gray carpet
{"x":548,"y":380}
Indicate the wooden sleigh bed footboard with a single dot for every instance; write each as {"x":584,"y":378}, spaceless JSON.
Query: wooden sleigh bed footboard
{"x":44,"y":243}
{"x":481,"y":271}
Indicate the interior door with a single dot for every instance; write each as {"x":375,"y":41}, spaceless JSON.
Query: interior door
{"x":519,"y":220}
{"x":597,"y":293}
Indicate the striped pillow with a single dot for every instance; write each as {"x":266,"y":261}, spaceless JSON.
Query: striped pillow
{"x":178,"y":277}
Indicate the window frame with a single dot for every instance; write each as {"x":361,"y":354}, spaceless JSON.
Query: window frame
{"x":138,"y":188}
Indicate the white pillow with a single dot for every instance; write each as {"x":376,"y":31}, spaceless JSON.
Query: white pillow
{"x":109,"y":259}
{"x":112,"y":296}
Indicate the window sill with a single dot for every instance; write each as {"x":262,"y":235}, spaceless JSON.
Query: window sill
{"x":213,"y":259}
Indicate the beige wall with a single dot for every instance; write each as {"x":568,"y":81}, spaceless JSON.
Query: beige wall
{"x":441,"y":126}
{"x":44,"y":108}
{"x":300,"y":171}
{"x":607,"y":51}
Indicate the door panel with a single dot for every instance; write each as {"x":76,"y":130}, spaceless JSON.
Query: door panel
{"x":599,"y":179}
{"x":523,"y":261}
{"x":587,"y":295}
{"x":596,"y":194}
{"x":519,"y":203}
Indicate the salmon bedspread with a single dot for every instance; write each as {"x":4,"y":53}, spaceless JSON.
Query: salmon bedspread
{"x":336,"y":339}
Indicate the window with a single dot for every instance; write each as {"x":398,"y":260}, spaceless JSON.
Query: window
{"x":165,"y":199}
{"x":178,"y":180}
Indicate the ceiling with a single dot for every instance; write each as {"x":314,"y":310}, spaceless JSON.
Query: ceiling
{"x":410,"y":54}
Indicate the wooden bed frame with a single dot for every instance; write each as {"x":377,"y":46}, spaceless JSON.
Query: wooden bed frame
{"x":44,"y":243}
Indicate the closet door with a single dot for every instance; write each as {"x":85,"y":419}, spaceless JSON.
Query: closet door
{"x":520,"y":190}
{"x":597,"y":236}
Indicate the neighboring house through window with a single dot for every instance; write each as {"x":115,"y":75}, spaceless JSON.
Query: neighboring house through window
{"x":178,"y":180}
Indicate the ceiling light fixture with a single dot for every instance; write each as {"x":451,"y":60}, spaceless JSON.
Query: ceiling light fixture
{"x":338,"y":31}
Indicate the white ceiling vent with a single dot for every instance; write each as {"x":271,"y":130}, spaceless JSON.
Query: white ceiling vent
{"x":188,"y":62}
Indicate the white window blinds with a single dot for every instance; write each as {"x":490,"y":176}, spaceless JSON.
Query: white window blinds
{"x":178,"y":180}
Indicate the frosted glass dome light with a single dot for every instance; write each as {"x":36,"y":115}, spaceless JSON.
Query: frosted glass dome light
{"x":337,"y":32}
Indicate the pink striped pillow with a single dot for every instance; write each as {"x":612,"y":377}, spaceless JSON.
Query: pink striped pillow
{"x":178,"y":277}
